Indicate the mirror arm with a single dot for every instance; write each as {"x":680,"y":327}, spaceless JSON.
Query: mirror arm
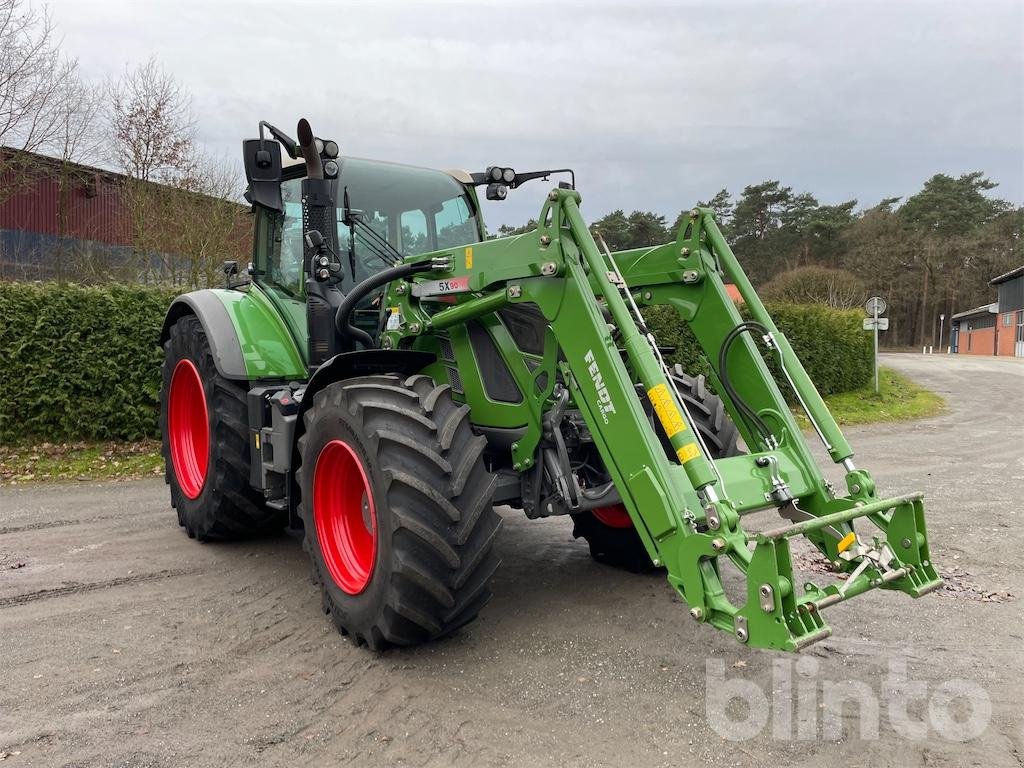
{"x":289,"y":144}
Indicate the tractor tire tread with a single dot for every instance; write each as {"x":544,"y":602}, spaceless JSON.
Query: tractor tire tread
{"x":229,"y":508}
{"x":435,"y":494}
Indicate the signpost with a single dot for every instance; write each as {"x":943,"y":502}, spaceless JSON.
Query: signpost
{"x":874,"y":307}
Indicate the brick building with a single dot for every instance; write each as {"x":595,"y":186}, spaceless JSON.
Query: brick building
{"x":66,"y":221}
{"x":50,"y":208}
{"x":997,"y":328}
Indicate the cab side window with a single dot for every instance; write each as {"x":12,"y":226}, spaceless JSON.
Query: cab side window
{"x":279,"y":246}
{"x":454,"y":224}
{"x":415,"y":238}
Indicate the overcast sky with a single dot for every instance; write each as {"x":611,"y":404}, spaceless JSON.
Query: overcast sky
{"x":655,"y":106}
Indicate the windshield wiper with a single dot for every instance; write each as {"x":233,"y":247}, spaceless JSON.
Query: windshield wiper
{"x":371,"y":238}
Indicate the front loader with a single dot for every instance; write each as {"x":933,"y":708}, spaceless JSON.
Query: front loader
{"x":388,"y":375}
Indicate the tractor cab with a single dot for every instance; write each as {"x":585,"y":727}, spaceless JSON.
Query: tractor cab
{"x":354,"y":216}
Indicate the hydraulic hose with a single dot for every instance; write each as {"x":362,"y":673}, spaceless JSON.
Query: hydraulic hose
{"x":723,"y":375}
{"x":362,"y":290}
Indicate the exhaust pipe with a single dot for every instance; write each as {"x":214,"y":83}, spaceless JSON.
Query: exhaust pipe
{"x":307,"y":143}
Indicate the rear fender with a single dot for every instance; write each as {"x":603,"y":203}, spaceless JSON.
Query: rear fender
{"x":216,"y":322}
{"x":247,"y":335}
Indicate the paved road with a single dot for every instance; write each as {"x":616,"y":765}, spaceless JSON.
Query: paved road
{"x":124,"y":643}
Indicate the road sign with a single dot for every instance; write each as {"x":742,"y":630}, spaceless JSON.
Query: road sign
{"x":875,"y":306}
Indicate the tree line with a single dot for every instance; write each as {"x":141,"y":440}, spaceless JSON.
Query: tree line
{"x":180,"y":205}
{"x":930,"y":254}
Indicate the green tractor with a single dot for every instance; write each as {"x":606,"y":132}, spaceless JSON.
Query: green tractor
{"x":389,"y":375}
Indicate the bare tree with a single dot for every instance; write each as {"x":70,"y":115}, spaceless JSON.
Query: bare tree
{"x":152,"y":124}
{"x":34,"y":83}
{"x":182,"y":234}
{"x":79,"y":136}
{"x":77,"y":144}
{"x":212,"y":224}
{"x":184,"y":222}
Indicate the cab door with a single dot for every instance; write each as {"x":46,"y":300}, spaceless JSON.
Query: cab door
{"x":277,"y":260}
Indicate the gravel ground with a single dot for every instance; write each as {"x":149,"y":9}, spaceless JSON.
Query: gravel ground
{"x":124,"y":643}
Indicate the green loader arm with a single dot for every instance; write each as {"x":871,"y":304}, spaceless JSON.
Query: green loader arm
{"x":686,"y":507}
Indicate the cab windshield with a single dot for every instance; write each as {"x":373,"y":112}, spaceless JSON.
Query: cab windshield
{"x":416,"y":210}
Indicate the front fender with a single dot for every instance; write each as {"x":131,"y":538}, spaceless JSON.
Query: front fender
{"x":364,"y":362}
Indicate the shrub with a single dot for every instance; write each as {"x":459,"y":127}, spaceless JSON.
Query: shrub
{"x":78,"y":362}
{"x":834,"y":288}
{"x":83,"y":363}
{"x":831,"y":344}
{"x":835,"y":350}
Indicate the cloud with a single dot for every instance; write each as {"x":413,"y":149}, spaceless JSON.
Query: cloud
{"x":654,"y":105}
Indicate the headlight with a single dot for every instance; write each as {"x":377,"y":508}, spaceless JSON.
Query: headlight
{"x":497,"y":191}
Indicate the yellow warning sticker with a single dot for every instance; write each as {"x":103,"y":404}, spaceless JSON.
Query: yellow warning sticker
{"x":847,"y":541}
{"x":668,"y":414}
{"x":469,"y":258}
{"x":687,"y":452}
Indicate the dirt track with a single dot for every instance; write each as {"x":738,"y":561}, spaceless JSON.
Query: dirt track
{"x":124,"y":643}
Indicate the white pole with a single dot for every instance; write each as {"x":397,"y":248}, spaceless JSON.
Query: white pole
{"x":942,"y":322}
{"x":875,"y":307}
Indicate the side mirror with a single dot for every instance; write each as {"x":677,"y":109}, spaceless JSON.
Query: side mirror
{"x":263,"y":172}
{"x":230,"y":270}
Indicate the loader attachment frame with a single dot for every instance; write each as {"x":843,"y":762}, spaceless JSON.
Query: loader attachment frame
{"x":686,"y":507}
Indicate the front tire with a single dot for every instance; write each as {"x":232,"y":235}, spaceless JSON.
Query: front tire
{"x":396,"y":504}
{"x":204,"y":428}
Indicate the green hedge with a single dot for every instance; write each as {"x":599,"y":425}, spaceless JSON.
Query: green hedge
{"x":82,"y":363}
{"x":831,"y":344}
{"x":79,"y":363}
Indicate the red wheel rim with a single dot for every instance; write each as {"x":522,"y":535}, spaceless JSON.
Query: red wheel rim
{"x":345,"y":517}
{"x":614,"y":516}
{"x":188,"y":428}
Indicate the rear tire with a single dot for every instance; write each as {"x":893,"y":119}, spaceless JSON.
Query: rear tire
{"x":614,"y":542}
{"x":396,"y":503}
{"x":204,"y":428}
